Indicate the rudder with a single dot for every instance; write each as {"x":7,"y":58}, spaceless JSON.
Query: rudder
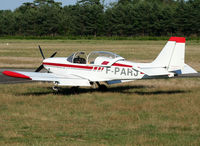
{"x":172,"y":55}
{"x":177,"y":59}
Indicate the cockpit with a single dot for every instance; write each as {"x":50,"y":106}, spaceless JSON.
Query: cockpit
{"x":78,"y":57}
{"x":94,"y":57}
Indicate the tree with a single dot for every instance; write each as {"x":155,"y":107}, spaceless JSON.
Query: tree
{"x":88,"y":17}
{"x":7,"y":23}
{"x":42,"y":17}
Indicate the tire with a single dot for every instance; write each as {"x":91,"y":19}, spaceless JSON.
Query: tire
{"x":103,"y":88}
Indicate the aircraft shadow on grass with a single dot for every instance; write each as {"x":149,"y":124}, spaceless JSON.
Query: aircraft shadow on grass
{"x":121,"y":89}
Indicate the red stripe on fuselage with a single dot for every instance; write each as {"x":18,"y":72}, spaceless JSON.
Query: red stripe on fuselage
{"x":83,"y":67}
{"x":105,"y":63}
{"x":69,"y":65}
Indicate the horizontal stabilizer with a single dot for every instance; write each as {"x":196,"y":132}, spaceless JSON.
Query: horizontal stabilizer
{"x":155,"y":71}
{"x":188,"y":70}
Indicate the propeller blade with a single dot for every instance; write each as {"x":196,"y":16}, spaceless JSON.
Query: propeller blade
{"x":53,"y":55}
{"x":39,"y":68}
{"x":41,"y":52}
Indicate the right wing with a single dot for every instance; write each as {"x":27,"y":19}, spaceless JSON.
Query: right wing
{"x":68,"y":80}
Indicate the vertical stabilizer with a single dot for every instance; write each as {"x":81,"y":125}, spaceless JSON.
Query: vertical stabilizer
{"x":172,"y":55}
{"x":163,"y":58}
{"x":177,"y":60}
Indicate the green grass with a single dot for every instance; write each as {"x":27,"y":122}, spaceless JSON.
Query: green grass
{"x":156,"y":112}
{"x":146,"y":112}
{"x":25,"y":53}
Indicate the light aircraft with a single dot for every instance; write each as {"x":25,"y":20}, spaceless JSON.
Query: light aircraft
{"x":99,"y":67}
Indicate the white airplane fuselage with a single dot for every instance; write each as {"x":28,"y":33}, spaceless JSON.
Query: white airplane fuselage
{"x":121,"y":70}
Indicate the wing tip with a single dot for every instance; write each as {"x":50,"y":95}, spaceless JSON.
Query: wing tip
{"x":16,"y":75}
{"x":178,"y":39}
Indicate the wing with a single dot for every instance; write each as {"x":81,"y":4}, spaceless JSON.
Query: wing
{"x":68,"y":80}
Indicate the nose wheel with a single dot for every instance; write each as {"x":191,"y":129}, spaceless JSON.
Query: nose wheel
{"x":55,"y":88}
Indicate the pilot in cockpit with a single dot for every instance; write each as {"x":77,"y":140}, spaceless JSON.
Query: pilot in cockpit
{"x":79,"y":60}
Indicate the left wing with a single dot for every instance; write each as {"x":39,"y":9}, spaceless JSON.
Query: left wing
{"x":68,"y":80}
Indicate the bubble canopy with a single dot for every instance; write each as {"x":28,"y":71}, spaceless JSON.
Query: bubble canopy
{"x":90,"y":58}
{"x":104,"y":54}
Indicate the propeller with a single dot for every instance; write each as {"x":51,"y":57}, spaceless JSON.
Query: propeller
{"x":39,"y":68}
{"x":53,"y":55}
{"x":41,"y":52}
{"x":42,"y":66}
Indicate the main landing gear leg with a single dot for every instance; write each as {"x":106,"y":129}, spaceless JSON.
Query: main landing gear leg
{"x":102,"y":87}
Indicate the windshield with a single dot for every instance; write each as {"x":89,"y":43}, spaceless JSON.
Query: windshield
{"x":70,"y":58}
{"x":78,"y":57}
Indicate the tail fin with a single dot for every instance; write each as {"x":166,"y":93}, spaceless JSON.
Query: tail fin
{"x":172,"y":55}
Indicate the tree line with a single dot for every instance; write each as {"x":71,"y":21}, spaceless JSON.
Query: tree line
{"x":93,"y":18}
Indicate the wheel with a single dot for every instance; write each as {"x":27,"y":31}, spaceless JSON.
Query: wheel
{"x":103,"y":88}
{"x":74,"y":89}
{"x":55,"y":88}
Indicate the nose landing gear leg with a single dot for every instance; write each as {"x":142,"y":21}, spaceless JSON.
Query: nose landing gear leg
{"x":55,"y":87}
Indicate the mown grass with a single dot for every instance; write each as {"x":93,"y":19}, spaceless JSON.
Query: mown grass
{"x":25,"y":53}
{"x":149,"y":112}
{"x":146,"y":112}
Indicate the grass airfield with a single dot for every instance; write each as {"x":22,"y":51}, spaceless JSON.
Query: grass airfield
{"x":144,"y":112}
